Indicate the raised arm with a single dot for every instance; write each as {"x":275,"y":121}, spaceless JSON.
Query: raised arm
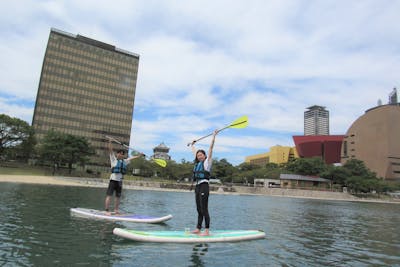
{"x":110,"y":147}
{"x":194,"y":150}
{"x":135,"y":157}
{"x":210,"y":150}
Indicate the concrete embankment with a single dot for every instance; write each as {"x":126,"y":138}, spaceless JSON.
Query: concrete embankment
{"x":241,"y":190}
{"x":184,"y":187}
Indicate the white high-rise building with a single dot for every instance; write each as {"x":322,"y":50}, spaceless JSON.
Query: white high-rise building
{"x":316,"y":121}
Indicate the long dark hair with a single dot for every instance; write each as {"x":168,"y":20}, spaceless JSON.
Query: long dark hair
{"x":201,"y":151}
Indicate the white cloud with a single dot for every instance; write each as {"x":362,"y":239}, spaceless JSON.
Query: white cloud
{"x":203,"y":64}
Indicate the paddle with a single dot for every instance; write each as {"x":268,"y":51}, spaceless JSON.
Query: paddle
{"x":239,"y":123}
{"x":160,"y":162}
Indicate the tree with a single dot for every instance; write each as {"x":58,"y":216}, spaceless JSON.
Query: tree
{"x":59,"y":149}
{"x":336,"y":174}
{"x":222,"y":168}
{"x":248,"y":166}
{"x":357,"y":168}
{"x":15,"y":135}
{"x":76,"y":150}
{"x":146,"y":167}
{"x":307,"y":166}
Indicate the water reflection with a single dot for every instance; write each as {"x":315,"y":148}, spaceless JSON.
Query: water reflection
{"x":199,"y":250}
{"x":36,"y":229}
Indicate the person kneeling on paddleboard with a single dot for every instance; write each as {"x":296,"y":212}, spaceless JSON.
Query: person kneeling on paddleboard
{"x":201,"y":175}
{"x":118,"y":169}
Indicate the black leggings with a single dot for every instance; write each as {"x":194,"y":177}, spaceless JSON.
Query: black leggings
{"x":202,"y":191}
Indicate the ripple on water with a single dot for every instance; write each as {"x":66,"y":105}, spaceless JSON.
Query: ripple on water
{"x":36,"y":229}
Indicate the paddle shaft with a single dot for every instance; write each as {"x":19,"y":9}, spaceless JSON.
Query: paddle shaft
{"x":201,"y":138}
{"x":242,"y":121}
{"x":160,"y":162}
{"x":122,"y":144}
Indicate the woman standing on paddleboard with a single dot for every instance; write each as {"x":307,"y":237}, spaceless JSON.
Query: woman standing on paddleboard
{"x":201,"y":175}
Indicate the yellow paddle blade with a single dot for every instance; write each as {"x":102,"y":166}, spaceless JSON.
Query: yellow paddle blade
{"x":239,"y":123}
{"x":160,"y":162}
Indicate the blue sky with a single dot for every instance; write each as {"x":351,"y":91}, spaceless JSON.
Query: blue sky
{"x":205,"y":63}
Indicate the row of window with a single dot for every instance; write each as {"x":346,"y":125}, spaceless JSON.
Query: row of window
{"x":90,"y":64}
{"x":73,"y":70}
{"x":51,"y":108}
{"x":92,"y":89}
{"x":88,"y":100}
{"x":51,"y":82}
{"x":55,"y":67}
{"x":91,"y":51}
{"x":91,"y":101}
{"x":85,"y":130}
{"x":79,"y":120}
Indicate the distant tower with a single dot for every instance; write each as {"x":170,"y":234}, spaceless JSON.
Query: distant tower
{"x":316,"y":121}
{"x":161,"y":152}
{"x":393,"y":97}
{"x":379,"y":102}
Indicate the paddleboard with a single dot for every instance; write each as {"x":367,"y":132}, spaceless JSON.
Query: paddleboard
{"x":99,"y":214}
{"x":188,"y":237}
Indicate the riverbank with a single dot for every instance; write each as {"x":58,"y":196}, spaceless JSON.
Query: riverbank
{"x":182,"y":187}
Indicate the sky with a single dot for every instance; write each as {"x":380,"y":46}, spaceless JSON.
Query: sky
{"x":204,"y":64}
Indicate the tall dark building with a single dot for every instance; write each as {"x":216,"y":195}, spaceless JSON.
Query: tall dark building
{"x":87,"y":88}
{"x":316,"y":121}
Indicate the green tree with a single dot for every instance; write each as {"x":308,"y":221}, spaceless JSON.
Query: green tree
{"x":222,"y":168}
{"x":16,"y":137}
{"x":361,"y":179}
{"x":59,"y":148}
{"x":248,"y":166}
{"x":146,"y":167}
{"x":307,"y":166}
{"x":76,"y":150}
{"x":271,"y":166}
{"x":336,"y":174}
{"x":357,"y":168}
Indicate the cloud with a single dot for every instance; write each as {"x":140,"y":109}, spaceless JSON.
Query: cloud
{"x":203,"y":64}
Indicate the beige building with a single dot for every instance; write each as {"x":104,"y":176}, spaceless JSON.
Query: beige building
{"x":277,"y":154}
{"x":87,"y":88}
{"x":374,"y":138}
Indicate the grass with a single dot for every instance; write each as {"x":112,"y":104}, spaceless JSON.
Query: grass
{"x":24,"y":171}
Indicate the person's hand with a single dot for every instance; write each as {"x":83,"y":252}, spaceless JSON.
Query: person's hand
{"x":193,"y":142}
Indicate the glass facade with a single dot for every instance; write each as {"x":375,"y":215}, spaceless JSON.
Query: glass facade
{"x":87,"y":88}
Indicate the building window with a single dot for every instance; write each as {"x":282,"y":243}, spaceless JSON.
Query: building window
{"x":345,"y":148}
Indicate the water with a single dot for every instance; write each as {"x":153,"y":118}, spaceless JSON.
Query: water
{"x":36,"y":229}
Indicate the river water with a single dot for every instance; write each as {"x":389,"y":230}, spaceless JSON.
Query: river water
{"x":36,"y":229}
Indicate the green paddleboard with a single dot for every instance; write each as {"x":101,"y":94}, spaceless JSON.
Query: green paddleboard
{"x":188,"y":237}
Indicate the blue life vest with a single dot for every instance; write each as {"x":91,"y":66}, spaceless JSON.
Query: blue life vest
{"x":199,"y":173}
{"x":120,"y":167}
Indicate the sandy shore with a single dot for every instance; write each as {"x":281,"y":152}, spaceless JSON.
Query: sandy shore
{"x":31,"y":179}
{"x":85,"y":182}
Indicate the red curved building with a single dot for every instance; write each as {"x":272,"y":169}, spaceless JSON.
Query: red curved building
{"x":328,"y":147}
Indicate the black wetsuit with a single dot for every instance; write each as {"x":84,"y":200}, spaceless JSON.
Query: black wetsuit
{"x":202,"y":191}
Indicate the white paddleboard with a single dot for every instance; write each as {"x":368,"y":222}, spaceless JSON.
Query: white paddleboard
{"x":188,"y":237}
{"x":99,"y":214}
